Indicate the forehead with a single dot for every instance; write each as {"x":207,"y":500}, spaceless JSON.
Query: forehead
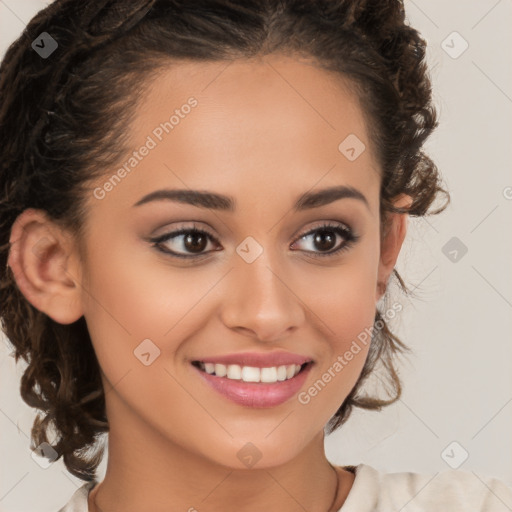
{"x":277,"y":121}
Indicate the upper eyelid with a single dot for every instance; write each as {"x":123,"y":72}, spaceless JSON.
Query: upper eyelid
{"x":330,"y":224}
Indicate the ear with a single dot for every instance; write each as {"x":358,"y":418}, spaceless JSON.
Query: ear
{"x":44,"y":262}
{"x":391,"y":243}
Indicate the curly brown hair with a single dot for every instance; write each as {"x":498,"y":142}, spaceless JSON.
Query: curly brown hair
{"x":63,"y":124}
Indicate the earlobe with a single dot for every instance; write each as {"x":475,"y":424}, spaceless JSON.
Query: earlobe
{"x":44,"y":266}
{"x":391,"y":244}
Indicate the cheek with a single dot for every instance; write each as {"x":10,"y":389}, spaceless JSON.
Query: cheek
{"x":136,"y":306}
{"x":130,"y":303}
{"x":343,"y":300}
{"x":123,"y":306}
{"x":128,"y":292}
{"x":342,"y":297}
{"x":349,"y":317}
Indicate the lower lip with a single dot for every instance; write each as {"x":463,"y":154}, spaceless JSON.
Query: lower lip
{"x":256,"y":394}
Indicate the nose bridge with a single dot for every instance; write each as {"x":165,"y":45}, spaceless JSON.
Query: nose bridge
{"x":260,"y":299}
{"x":261,"y":278}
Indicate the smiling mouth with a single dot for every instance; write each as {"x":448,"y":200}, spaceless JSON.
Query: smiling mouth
{"x":267,"y":375}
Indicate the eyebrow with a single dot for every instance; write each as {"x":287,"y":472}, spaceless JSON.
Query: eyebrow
{"x":214,"y":201}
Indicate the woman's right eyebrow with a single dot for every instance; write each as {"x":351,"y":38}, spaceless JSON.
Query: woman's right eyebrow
{"x":215,"y":201}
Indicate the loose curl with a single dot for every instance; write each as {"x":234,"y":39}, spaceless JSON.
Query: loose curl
{"x":63,"y":123}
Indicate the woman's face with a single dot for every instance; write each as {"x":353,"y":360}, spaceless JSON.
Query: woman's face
{"x":261,"y":281}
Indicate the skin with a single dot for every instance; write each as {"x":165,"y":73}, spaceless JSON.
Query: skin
{"x":265,"y":131}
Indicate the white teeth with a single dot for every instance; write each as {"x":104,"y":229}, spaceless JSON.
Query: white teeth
{"x":252,"y":373}
{"x":268,"y":375}
{"x":209,"y":367}
{"x":281,"y":373}
{"x":221,"y":370}
{"x":234,"y":372}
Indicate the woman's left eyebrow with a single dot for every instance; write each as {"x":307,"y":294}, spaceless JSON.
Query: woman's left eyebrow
{"x":215,"y":201}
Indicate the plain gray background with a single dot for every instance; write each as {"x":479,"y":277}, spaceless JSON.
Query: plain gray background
{"x":457,"y":399}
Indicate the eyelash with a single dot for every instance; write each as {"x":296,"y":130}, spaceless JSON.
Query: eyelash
{"x":350,"y":239}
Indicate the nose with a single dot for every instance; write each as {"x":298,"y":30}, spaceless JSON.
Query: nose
{"x":260,"y":301}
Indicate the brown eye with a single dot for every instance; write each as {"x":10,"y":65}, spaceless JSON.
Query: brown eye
{"x":186,"y":243}
{"x":195,"y":242}
{"x":324,"y":239}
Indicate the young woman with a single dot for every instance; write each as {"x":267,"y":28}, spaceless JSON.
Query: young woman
{"x":202,"y":204}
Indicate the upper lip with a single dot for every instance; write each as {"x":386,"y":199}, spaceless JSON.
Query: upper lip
{"x":258,"y":359}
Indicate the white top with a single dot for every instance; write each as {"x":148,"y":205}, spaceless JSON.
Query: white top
{"x":449,"y":490}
